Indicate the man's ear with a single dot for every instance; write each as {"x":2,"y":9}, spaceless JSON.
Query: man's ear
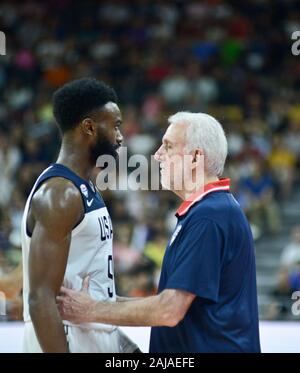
{"x":197,"y":155}
{"x":198,"y":159}
{"x":88,"y":126}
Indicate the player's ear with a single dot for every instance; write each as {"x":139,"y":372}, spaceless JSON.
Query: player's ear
{"x":88,"y":126}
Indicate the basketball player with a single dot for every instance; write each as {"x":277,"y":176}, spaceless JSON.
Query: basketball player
{"x":66,"y":231}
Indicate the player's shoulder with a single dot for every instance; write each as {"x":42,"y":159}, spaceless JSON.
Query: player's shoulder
{"x":57,"y":193}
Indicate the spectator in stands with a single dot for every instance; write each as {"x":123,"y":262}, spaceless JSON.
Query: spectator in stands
{"x":288,"y":277}
{"x":290,"y":255}
{"x":261,"y":207}
{"x":282,"y":163}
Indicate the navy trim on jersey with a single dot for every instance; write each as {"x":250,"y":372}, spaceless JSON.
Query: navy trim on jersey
{"x":91,"y":198}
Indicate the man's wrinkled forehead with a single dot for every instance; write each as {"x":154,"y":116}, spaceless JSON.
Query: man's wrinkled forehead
{"x":175,"y":133}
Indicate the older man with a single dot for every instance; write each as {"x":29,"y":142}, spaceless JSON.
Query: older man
{"x":207,"y":297}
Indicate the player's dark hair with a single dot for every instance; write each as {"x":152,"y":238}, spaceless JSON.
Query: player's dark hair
{"x":76,"y":100}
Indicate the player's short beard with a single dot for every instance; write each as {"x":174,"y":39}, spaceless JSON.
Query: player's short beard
{"x":103,"y":147}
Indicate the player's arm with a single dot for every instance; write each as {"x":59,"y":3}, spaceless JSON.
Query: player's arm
{"x":166,"y":309}
{"x":56,"y":208}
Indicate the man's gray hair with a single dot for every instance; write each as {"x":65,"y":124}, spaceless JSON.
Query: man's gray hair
{"x":206,"y":133}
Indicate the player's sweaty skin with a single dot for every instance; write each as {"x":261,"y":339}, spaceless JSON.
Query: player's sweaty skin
{"x":56,"y":208}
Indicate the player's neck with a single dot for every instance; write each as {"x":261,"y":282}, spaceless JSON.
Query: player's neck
{"x":75,"y":157}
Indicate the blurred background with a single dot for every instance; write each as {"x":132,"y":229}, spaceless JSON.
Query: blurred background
{"x":230,"y":59}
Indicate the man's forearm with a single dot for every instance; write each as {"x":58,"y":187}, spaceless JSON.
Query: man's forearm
{"x":127,"y":299}
{"x":48,"y":325}
{"x":150,"y":311}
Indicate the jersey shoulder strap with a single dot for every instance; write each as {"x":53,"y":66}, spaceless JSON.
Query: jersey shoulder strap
{"x":91,"y":198}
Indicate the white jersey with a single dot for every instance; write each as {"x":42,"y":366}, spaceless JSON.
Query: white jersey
{"x":90,"y":249}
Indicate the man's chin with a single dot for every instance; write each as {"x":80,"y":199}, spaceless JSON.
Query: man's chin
{"x":165,"y":184}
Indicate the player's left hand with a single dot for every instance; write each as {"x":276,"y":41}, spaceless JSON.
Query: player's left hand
{"x":76,"y":306}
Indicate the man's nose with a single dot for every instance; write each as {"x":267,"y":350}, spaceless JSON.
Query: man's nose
{"x":158,"y":154}
{"x":119,"y":137}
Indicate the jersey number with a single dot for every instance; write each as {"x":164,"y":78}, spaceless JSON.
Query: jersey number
{"x":109,"y":274}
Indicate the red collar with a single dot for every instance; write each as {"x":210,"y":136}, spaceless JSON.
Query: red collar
{"x":222,"y":184}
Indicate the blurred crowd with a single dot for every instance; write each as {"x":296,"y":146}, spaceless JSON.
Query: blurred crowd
{"x":232,"y":60}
